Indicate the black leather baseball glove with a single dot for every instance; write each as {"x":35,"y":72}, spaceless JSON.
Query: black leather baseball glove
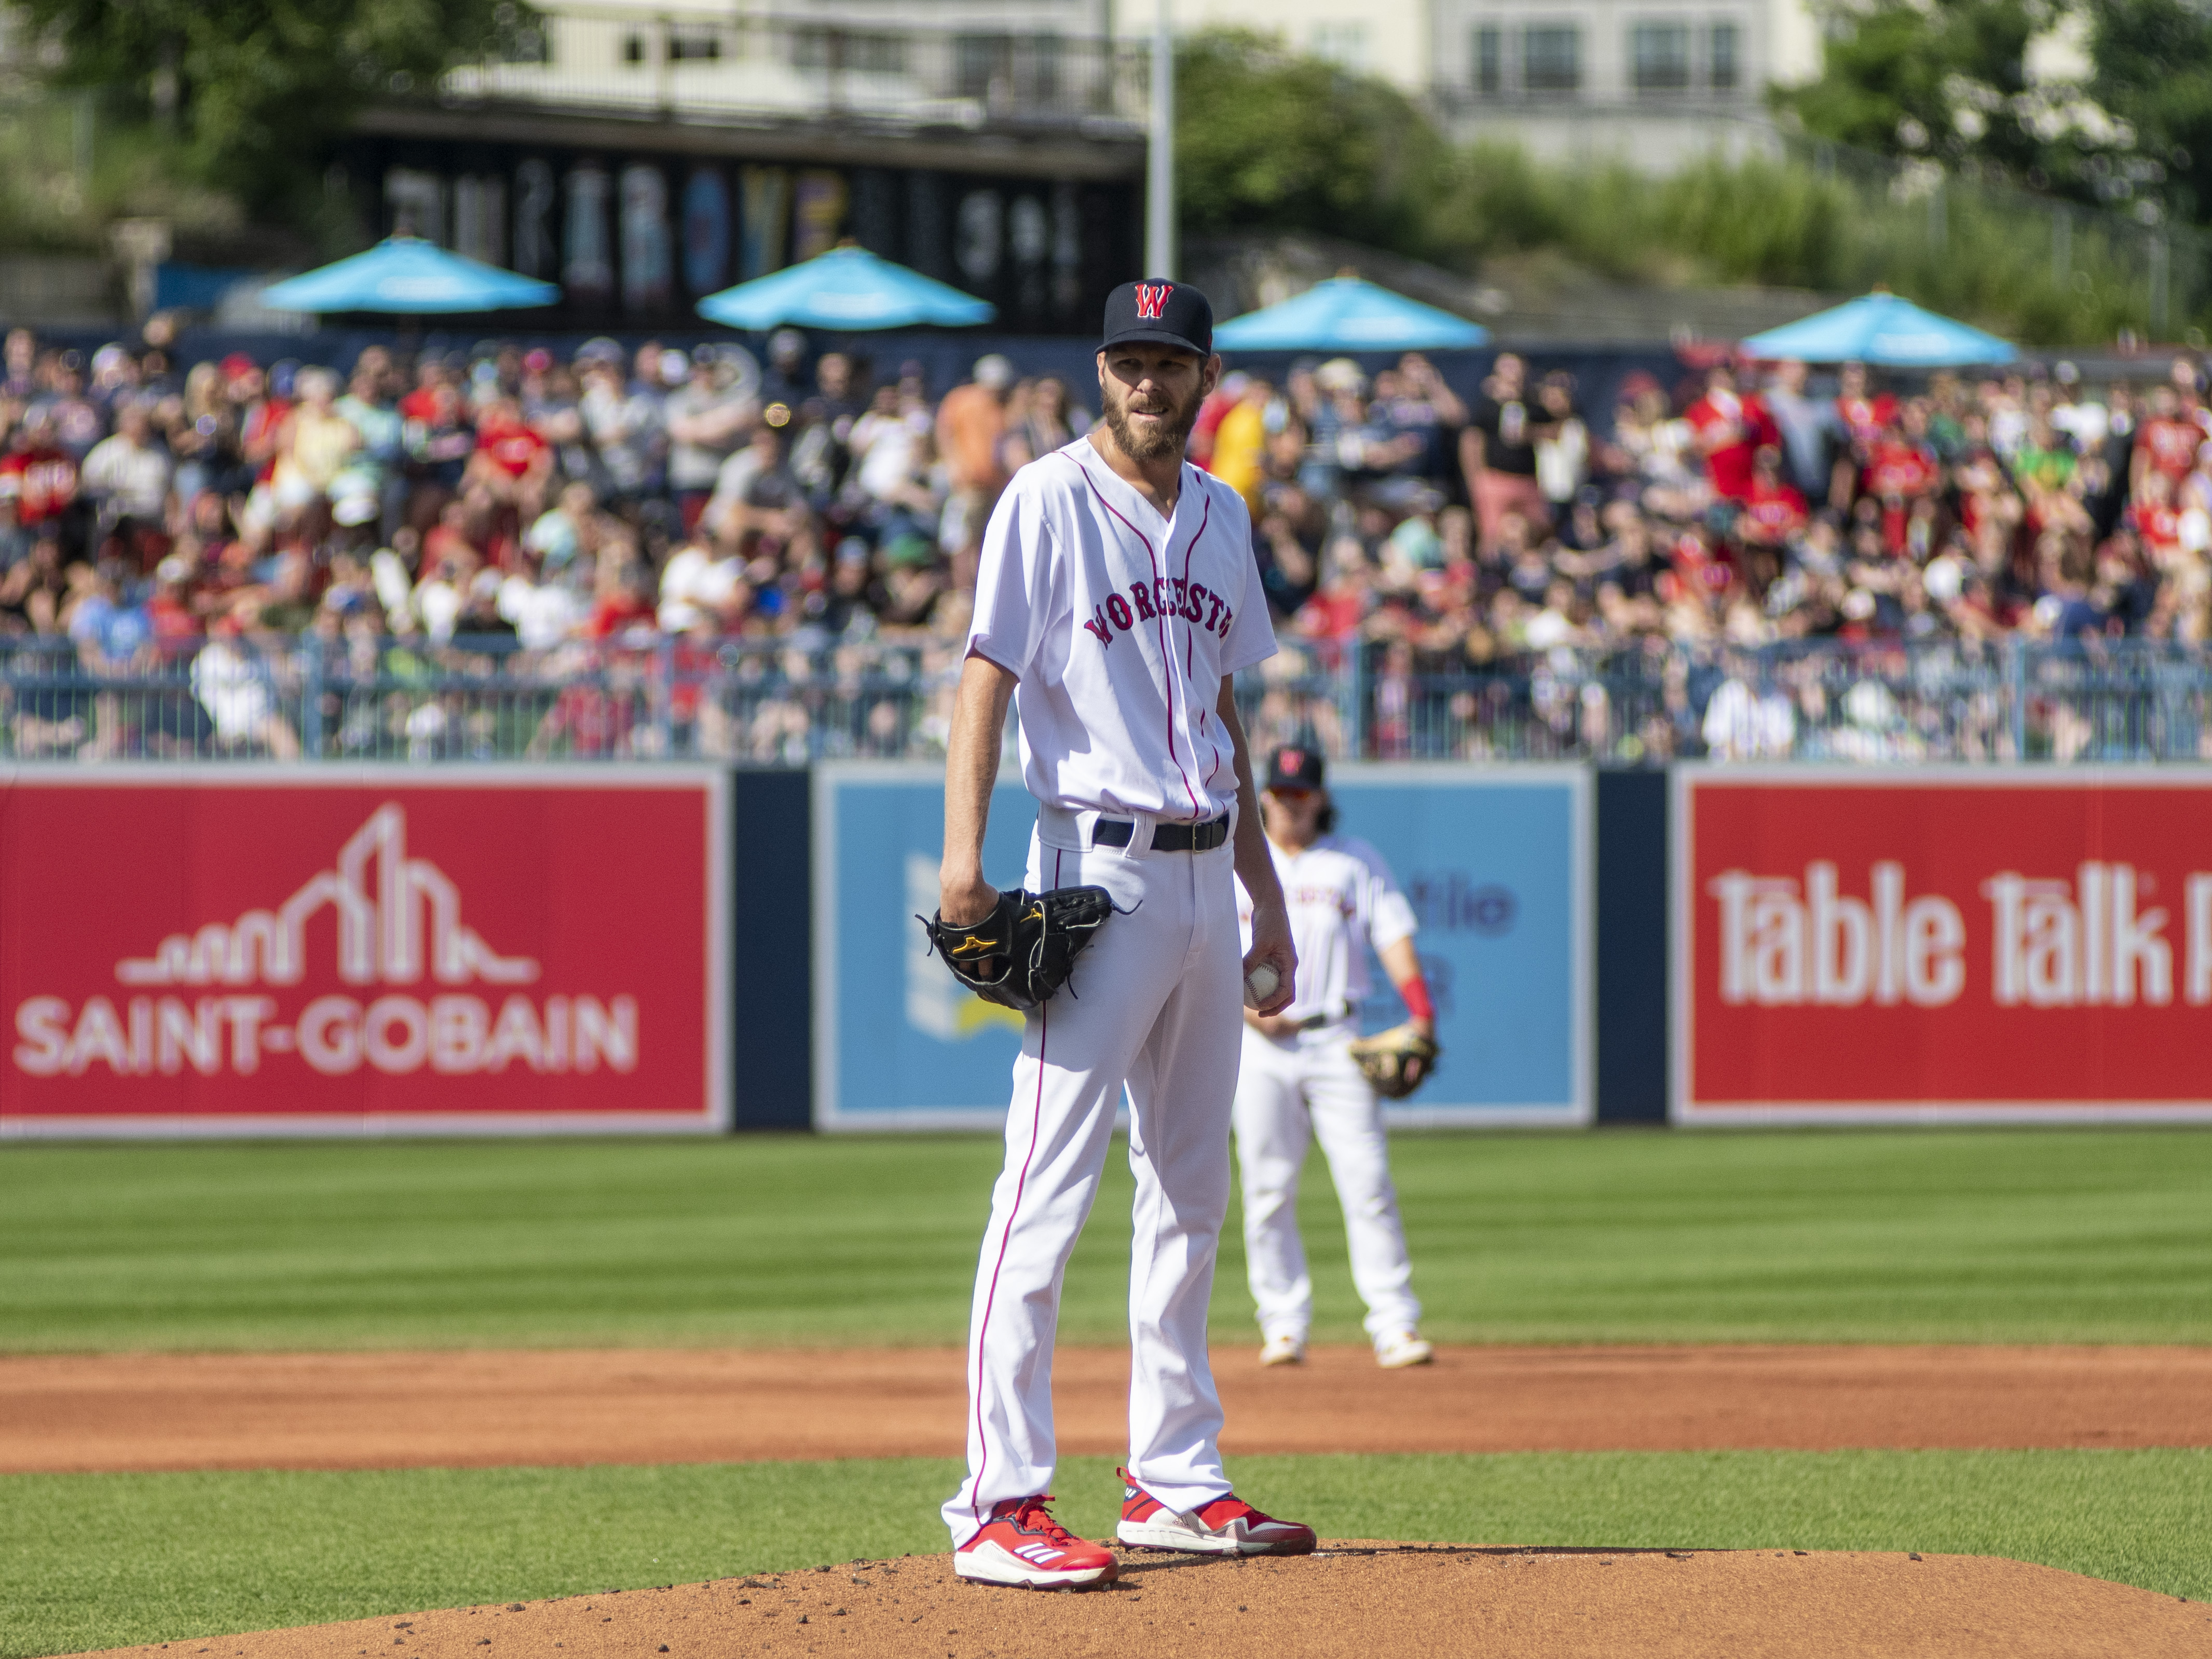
{"x":1022,"y":952}
{"x":1396,"y":1061}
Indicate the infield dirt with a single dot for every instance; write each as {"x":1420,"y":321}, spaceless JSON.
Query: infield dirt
{"x":351,"y":1411}
{"x":1348,"y":1600}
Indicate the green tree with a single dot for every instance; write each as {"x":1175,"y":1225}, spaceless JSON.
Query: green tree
{"x":1941,"y":79}
{"x":1265,"y":138}
{"x":2153,"y":66}
{"x":261,"y":89}
{"x":1946,"y":81}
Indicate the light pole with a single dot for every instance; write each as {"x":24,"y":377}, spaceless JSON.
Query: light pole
{"x":1159,"y":152}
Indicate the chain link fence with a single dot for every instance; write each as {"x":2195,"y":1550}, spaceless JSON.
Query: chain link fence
{"x":319,"y":698}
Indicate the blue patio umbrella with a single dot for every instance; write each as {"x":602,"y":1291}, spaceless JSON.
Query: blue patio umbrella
{"x":1880,"y":328}
{"x":848,"y":289}
{"x":1347,"y":315}
{"x":405,"y":275}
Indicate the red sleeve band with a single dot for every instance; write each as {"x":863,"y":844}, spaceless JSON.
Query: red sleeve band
{"x":1415,"y":991}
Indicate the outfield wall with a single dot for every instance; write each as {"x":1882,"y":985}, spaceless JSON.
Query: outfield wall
{"x":1495,"y":861}
{"x":397,"y":950}
{"x":274,"y":951}
{"x":1942,"y":945}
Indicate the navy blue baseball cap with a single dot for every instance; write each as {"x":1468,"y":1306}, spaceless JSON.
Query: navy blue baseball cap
{"x":1156,"y":312}
{"x":1295,"y":768}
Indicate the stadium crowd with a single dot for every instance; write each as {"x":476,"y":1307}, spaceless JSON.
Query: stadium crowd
{"x":556,"y":515}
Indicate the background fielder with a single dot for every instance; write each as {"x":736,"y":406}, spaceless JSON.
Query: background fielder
{"x":1299,"y":1077}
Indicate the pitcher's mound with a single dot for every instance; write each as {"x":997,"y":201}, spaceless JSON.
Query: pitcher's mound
{"x":1351,"y":1598}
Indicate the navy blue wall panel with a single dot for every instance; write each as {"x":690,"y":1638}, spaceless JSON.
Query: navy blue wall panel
{"x":772,"y":950}
{"x":1633,"y":990}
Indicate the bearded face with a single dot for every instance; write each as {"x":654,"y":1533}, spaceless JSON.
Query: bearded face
{"x":1162,"y":421}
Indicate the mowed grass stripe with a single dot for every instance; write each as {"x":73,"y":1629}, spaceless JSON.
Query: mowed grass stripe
{"x":103,"y":1560}
{"x":2027,"y":1235}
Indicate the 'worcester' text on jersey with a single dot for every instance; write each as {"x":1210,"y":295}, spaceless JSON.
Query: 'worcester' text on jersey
{"x":1120,"y":625}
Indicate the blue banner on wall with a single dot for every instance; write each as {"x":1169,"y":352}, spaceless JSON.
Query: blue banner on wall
{"x":1495,"y":861}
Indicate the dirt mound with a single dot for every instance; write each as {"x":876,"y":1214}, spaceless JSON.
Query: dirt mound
{"x":337,"y":1411}
{"x":1354,"y":1600}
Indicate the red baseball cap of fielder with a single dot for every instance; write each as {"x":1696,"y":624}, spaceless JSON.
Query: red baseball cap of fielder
{"x":1156,"y":312}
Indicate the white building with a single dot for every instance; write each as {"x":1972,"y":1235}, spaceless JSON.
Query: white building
{"x":1394,"y":39}
{"x":1649,"y":82}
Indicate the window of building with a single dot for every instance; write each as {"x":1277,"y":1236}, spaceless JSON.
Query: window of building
{"x":1659,"y":56}
{"x":1340,"y":43}
{"x":1551,"y":57}
{"x":979,"y":62}
{"x":885,"y":54}
{"x":1044,"y":68}
{"x":1489,"y":65}
{"x":1721,"y":50}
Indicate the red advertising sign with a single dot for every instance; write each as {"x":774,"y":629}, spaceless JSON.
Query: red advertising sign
{"x":370,"y":949}
{"x":1942,"y":943}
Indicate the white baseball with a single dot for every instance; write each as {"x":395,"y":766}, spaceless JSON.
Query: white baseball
{"x":1259,"y":984}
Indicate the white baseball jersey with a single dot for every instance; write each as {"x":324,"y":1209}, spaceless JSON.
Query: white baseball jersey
{"x":1120,"y":625}
{"x":1341,"y":896}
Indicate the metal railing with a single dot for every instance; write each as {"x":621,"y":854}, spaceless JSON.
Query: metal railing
{"x":2079,"y":701}
{"x":709,"y":64}
{"x":373,"y":697}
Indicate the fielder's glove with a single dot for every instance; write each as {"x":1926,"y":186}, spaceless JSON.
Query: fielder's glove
{"x":1396,"y":1061}
{"x":1022,"y":953}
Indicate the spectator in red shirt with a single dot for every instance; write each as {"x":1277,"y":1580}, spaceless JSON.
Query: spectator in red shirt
{"x":1900,"y":468}
{"x":37,"y":472}
{"x":2167,"y":442}
{"x":1332,"y":618}
{"x":625,"y":595}
{"x":425,"y":402}
{"x":513,"y":466}
{"x":1729,"y":429}
{"x":1775,"y":509}
{"x":2156,"y":520}
{"x":174,"y":622}
{"x":509,"y":455}
{"x":1864,"y":415}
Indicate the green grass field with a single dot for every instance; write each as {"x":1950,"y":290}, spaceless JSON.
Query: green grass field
{"x":2071,"y":1235}
{"x":2023,"y":1235}
{"x":108,"y":1559}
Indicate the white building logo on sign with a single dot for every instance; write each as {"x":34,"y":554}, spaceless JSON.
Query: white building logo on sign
{"x":399,"y":927}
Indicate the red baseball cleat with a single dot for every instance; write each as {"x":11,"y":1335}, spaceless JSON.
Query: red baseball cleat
{"x":1227,"y":1526}
{"x":1022,"y":1545}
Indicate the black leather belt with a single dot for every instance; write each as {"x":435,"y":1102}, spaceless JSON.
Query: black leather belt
{"x":1315,"y":1022}
{"x":1166,"y":838}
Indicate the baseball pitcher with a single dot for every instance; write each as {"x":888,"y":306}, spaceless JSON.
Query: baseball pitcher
{"x":1117,"y":595}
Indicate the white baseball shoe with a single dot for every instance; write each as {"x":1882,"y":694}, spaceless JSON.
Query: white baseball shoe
{"x":1399,"y":1349}
{"x":1227,"y":1526}
{"x":1283,"y":1350}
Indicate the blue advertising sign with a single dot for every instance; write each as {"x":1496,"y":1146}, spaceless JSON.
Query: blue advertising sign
{"x":1495,"y":861}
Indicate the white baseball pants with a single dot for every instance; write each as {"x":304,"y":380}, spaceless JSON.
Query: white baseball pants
{"x":1286,"y":1090}
{"x":1154,"y":1002}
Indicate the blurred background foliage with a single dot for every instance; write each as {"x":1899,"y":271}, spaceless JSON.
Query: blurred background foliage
{"x":1268,"y":140}
{"x":220,"y":116}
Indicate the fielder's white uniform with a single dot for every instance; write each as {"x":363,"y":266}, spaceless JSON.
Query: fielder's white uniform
{"x":1120,"y":625}
{"x":1341,"y":897}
